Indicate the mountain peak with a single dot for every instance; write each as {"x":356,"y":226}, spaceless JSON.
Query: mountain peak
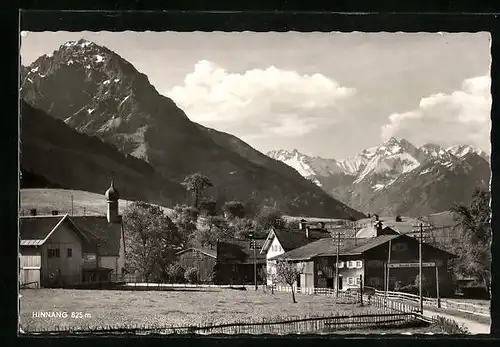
{"x":392,"y":141}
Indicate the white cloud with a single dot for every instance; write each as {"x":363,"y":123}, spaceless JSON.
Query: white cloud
{"x":259,"y":103}
{"x":460,"y":117}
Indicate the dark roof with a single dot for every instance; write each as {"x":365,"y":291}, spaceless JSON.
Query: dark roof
{"x":293,"y":239}
{"x":95,"y":230}
{"x":322,"y":247}
{"x":239,"y":252}
{"x":326,"y":247}
{"x":37,"y":228}
{"x":100,"y":231}
{"x":366,"y":244}
{"x":210,"y":252}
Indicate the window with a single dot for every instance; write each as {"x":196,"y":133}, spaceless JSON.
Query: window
{"x":341,"y":264}
{"x":350,"y":281}
{"x":350,"y":264}
{"x":374,"y":281}
{"x":359,"y":264}
{"x":70,"y":252}
{"x":53,"y":253}
{"x":358,"y":281}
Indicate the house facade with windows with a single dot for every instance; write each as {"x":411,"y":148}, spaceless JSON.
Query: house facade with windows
{"x":64,"y":250}
{"x":280,"y":241}
{"x":366,"y":261}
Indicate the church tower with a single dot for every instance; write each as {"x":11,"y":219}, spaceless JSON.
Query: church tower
{"x":112,"y":197}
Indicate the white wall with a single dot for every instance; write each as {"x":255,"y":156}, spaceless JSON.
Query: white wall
{"x":274,"y":250}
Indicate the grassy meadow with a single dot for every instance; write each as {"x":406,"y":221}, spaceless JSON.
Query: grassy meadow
{"x":166,"y":308}
{"x":47,"y":200}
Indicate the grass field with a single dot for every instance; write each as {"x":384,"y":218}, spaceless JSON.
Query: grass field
{"x":47,"y":200}
{"x":165,"y":308}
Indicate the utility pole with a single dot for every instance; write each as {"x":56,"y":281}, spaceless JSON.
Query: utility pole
{"x":355,"y":232}
{"x":437,"y":287}
{"x":337,"y":266}
{"x":361,"y":288}
{"x":388,"y":268}
{"x":254,"y":259}
{"x":420,"y":268}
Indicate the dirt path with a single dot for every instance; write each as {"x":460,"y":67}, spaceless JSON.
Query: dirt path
{"x":472,"y":326}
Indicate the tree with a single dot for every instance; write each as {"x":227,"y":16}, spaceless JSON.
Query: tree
{"x":191,"y":275}
{"x":208,"y":207}
{"x":292,"y":224}
{"x":184,"y":217}
{"x":263,"y":277}
{"x":151,"y":240}
{"x":210,"y":229}
{"x":234,"y":209}
{"x":474,"y":254}
{"x":242,"y":227}
{"x":288,"y":273}
{"x":196,"y":183}
{"x":175,"y":272}
{"x":268,"y":218}
{"x":425,"y":283}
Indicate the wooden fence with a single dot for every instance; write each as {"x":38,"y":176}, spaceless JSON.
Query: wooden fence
{"x":434,"y":302}
{"x":290,"y":325}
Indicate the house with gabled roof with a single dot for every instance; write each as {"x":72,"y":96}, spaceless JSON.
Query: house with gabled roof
{"x":235,"y":261}
{"x":365,"y":260}
{"x":64,"y":250}
{"x":281,"y":241}
{"x":201,"y":258}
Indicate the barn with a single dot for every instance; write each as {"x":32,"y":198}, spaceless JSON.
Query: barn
{"x":235,"y":261}
{"x":203,"y":259}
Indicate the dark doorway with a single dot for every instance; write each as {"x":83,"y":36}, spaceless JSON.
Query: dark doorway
{"x":340,"y":282}
{"x":329,"y":283}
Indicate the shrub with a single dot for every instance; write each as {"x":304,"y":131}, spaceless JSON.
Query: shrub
{"x":175,"y":273}
{"x":410,"y":289}
{"x":191,"y":275}
{"x":450,"y":326}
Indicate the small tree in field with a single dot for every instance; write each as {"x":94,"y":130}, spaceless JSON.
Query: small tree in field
{"x":288,"y":273}
{"x":175,"y":273}
{"x":263,"y":276}
{"x":191,"y":275}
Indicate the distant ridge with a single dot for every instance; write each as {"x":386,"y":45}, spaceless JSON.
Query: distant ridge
{"x":397,"y":177}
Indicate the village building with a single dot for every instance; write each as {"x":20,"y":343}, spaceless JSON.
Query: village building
{"x":281,"y":241}
{"x":365,"y":260}
{"x":203,"y":259}
{"x":235,"y":261}
{"x":64,"y":250}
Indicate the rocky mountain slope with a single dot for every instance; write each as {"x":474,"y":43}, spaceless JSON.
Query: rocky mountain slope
{"x":98,"y":93}
{"x":397,"y":177}
{"x":55,"y":156}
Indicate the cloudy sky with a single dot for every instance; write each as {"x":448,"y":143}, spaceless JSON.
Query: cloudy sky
{"x":325,"y":94}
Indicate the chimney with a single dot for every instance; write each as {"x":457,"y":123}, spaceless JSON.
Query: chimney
{"x":302,"y":224}
{"x":307,"y":232}
{"x":376,"y":217}
{"x":33,"y":212}
{"x":379,"y":228}
{"x":55,"y":212}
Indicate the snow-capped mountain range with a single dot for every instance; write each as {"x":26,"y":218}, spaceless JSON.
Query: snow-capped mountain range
{"x":383,"y":169}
